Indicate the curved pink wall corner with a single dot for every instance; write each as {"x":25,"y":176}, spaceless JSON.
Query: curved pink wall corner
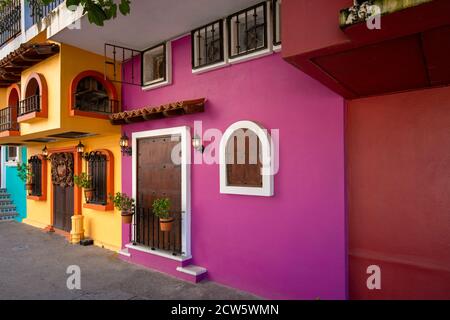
{"x":292,"y":245}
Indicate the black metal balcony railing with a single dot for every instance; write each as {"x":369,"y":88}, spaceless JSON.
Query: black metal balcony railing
{"x":39,"y":10}
{"x":147,"y":232}
{"x":8,"y":119}
{"x":10,"y":14}
{"x":102,"y":106}
{"x":30,"y":104}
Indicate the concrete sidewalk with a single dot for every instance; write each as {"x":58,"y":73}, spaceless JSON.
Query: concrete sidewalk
{"x":33,"y":265}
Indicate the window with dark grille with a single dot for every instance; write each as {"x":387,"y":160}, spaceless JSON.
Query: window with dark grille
{"x":13,"y":154}
{"x":154,"y":68}
{"x":92,"y":96}
{"x":207,"y":45}
{"x":276,"y":13}
{"x":247,"y":31}
{"x":36,"y":170}
{"x":243,"y":160}
{"x":97,"y":168}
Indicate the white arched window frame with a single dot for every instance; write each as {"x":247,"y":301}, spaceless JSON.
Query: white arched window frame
{"x":267,"y":189}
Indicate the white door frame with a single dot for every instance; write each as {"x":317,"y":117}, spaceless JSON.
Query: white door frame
{"x":185,"y":134}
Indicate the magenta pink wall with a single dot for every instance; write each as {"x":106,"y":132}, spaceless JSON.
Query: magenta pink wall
{"x":292,"y":245}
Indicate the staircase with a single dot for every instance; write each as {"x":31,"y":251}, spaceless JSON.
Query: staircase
{"x":7,"y":207}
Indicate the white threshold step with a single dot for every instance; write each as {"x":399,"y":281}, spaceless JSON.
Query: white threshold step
{"x":192,"y":270}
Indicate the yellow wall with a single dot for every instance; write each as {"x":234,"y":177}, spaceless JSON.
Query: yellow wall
{"x":3,"y":101}
{"x":105,"y":228}
{"x":50,"y":69}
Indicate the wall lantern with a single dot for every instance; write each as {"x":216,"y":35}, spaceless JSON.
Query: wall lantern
{"x":80,"y":148}
{"x":124,"y":145}
{"x":45,"y":153}
{"x":197,"y":144}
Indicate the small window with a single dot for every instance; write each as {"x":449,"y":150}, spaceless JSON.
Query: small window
{"x":36,"y":169}
{"x":97,"y":168}
{"x":276,"y":12}
{"x":248,"y":31}
{"x":155,"y":65}
{"x":245,"y":160}
{"x":208,"y":45}
{"x":13,"y":154}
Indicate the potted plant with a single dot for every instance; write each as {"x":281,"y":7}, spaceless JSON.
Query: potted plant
{"x":161,"y":209}
{"x":125,"y":204}
{"x":85,"y":182}
{"x":26,"y":175}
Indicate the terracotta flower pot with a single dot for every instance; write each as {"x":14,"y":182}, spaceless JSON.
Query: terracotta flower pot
{"x":89,"y":194}
{"x":127,"y":217}
{"x":29,"y":186}
{"x":166,"y":224}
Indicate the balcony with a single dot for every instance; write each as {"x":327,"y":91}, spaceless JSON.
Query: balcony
{"x":38,"y":10}
{"x":29,"y":105}
{"x":10,"y":21}
{"x":8,"y":121}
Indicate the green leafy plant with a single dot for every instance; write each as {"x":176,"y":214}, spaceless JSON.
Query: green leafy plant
{"x":24,"y":172}
{"x":83,"y":181}
{"x":122,"y":202}
{"x":161,"y":208}
{"x":98,"y":11}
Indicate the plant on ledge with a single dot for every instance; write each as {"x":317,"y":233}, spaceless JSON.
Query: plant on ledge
{"x":125,"y":204}
{"x":85,"y":182}
{"x":161,"y":209}
{"x":25,"y":174}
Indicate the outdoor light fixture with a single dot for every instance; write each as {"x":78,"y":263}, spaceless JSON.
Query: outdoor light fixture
{"x":124,"y":145}
{"x":80,"y":148}
{"x":197,"y":144}
{"x":45,"y":153}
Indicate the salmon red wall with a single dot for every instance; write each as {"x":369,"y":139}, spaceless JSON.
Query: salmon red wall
{"x":292,"y":245}
{"x":399,"y":201}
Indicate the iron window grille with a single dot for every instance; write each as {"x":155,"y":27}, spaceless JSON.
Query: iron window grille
{"x":97,"y":168}
{"x":91,"y":96}
{"x":247,"y":30}
{"x":154,"y":65}
{"x":208,"y":45}
{"x":36,"y":170}
{"x":147,"y":232}
{"x":10,"y":17}
{"x":276,"y":16}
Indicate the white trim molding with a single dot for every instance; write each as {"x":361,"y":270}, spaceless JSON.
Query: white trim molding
{"x":185,"y":144}
{"x":267,"y":189}
{"x":168,"y":81}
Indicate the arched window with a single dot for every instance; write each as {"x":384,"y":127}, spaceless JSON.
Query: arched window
{"x":35,"y":101}
{"x":8,"y":116}
{"x":245,"y":160}
{"x":93,"y":95}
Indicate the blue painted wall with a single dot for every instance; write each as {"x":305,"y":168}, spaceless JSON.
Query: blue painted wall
{"x":16,"y":188}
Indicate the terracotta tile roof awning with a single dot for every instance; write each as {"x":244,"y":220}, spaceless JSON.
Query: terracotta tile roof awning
{"x":164,"y":111}
{"x":26,"y":56}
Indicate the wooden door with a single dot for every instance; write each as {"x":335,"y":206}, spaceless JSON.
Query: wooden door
{"x":158,"y":177}
{"x":63,"y":207}
{"x":63,"y":190}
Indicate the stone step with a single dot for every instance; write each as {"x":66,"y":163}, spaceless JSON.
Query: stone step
{"x":4,"y":202}
{"x":195,"y":273}
{"x":8,"y":216}
{"x":7,"y":208}
{"x":5,"y":195}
